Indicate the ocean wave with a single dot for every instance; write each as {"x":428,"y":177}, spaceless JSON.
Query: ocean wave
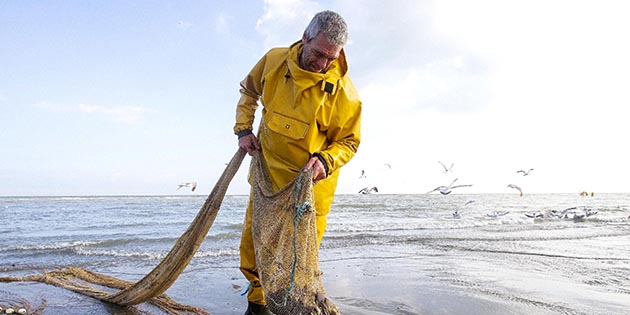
{"x":233,"y":226}
{"x":217,"y":253}
{"x":74,"y":245}
{"x":224,"y":236}
{"x":65,"y":198}
{"x":49,"y":247}
{"x":118,"y":253}
{"x":136,"y":255}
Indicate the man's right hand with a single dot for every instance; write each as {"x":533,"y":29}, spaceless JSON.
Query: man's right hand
{"x":249,"y":143}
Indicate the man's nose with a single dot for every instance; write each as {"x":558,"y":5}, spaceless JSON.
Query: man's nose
{"x":322,"y":63}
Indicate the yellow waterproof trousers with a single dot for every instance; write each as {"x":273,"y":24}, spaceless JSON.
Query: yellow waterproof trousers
{"x":323,"y":195}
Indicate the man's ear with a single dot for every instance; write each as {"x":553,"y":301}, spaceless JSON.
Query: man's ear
{"x":304,"y":40}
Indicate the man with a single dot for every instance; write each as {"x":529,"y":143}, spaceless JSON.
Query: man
{"x":311,"y":118}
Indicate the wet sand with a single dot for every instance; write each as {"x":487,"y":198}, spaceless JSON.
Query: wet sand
{"x":359,"y":284}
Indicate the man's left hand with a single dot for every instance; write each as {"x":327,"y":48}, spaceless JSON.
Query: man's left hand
{"x":319,"y":172}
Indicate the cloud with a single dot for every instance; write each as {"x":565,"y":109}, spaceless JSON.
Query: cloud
{"x":397,"y":52}
{"x":284,"y":21}
{"x":222,"y":23}
{"x":122,"y":114}
{"x":447,"y":85}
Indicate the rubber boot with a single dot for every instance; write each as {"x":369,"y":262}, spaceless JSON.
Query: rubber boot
{"x":257,"y":309}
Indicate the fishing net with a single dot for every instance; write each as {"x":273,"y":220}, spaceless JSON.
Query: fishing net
{"x":11,"y":303}
{"x":153,"y":285}
{"x":285,"y":241}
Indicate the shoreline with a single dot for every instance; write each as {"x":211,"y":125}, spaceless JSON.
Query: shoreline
{"x":359,"y":285}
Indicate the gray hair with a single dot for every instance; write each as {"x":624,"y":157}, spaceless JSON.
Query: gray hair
{"x":329,"y":23}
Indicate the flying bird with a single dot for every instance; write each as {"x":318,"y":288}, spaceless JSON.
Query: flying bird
{"x":446,"y":169}
{"x":524,"y":172}
{"x":362,"y":174}
{"x":366,"y":191}
{"x":388,"y":165}
{"x":516,"y":187}
{"x":193,"y":185}
{"x":471,"y":201}
{"x":445,"y":190}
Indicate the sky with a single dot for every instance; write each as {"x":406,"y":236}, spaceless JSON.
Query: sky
{"x":133,"y":98}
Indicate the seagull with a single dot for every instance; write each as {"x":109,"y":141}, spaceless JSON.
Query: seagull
{"x":497,"y":214}
{"x":579,"y":216}
{"x":535,"y":215}
{"x":524,"y":172}
{"x":362,"y":174}
{"x":189,"y":184}
{"x":516,"y":187}
{"x":445,"y":190}
{"x":564,"y":213}
{"x":456,"y":214}
{"x":575,"y":214}
{"x":388,"y":165}
{"x":366,"y":191}
{"x":588,"y":212}
{"x":446,"y":169}
{"x":470,"y":202}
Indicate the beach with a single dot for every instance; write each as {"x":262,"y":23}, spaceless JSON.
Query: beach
{"x":381,"y":254}
{"x":358,"y":286}
{"x":389,"y":283}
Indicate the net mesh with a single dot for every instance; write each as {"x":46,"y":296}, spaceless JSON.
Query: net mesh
{"x":285,"y":241}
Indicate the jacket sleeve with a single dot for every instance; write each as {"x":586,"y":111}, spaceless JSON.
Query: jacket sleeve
{"x":344,"y":132}
{"x":251,"y":90}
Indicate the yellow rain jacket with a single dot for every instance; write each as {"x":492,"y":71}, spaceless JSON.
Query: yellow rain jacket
{"x":304,"y":113}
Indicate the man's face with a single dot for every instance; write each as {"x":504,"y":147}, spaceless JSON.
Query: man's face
{"x":318,"y":54}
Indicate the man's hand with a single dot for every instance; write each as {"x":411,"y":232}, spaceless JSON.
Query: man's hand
{"x":319,"y":172}
{"x":249,"y":143}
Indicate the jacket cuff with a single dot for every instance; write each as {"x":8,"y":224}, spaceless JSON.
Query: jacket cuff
{"x":243,"y":133}
{"x":321,"y":159}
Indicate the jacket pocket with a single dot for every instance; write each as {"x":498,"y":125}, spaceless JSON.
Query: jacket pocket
{"x":287,"y":126}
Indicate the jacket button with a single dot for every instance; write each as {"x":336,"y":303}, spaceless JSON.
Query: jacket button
{"x":287,"y":126}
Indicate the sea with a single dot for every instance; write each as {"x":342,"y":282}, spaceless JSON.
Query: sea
{"x":381,"y":254}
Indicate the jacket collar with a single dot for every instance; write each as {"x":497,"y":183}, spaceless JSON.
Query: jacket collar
{"x":306,"y":79}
